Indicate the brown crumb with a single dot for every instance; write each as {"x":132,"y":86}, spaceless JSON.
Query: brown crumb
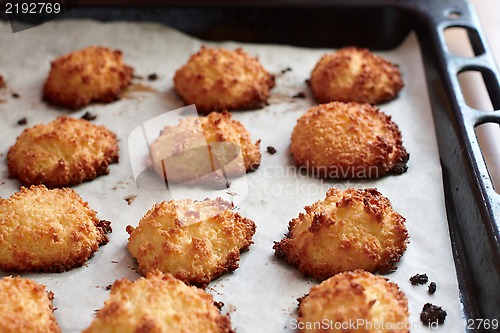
{"x":129,"y":199}
{"x":288,"y":69}
{"x":15,"y":95}
{"x":432,"y":288}
{"x":271,"y":150}
{"x":89,"y":116}
{"x":108,"y":287}
{"x":137,"y":77}
{"x":300,"y":94}
{"x":152,"y":77}
{"x":300,"y":299}
{"x":432,"y":313}
{"x":214,"y":290}
{"x":219,"y":305}
{"x":22,"y":121}
{"x":114,"y":261}
{"x":419,"y":279}
{"x":105,"y":226}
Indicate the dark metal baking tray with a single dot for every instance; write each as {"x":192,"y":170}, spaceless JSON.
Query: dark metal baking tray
{"x":473,"y":206}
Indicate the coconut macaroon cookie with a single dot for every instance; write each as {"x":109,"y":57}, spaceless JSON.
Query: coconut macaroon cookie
{"x":348,"y":230}
{"x":178,"y":154}
{"x":195,"y":241}
{"x":348,"y":140}
{"x":158,"y":303}
{"x":370,"y":303}
{"x":64,"y":152}
{"x":355,"y":75}
{"x":44,"y":230}
{"x":26,"y":307}
{"x":215,"y":79}
{"x":92,"y":74}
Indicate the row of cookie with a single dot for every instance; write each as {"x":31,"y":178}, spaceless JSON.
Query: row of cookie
{"x":56,"y":230}
{"x":161,"y":303}
{"x":334,"y":140}
{"x":216,"y":79}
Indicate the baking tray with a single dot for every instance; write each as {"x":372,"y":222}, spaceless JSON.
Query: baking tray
{"x":473,"y":206}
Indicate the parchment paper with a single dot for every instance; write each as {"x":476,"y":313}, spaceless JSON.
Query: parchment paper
{"x":261,"y":294}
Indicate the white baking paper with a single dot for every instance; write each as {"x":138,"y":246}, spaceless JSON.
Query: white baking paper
{"x":261,"y":294}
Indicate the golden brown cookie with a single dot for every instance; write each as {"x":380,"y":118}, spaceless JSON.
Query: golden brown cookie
{"x":195,"y":241}
{"x":353,"y":74}
{"x":354,"y":302}
{"x":64,"y":152}
{"x":215,"y":79}
{"x":192,"y":163}
{"x":348,"y":230}
{"x":44,"y":230}
{"x":92,"y":74}
{"x":158,"y":304}
{"x":26,"y":307}
{"x":348,"y":140}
